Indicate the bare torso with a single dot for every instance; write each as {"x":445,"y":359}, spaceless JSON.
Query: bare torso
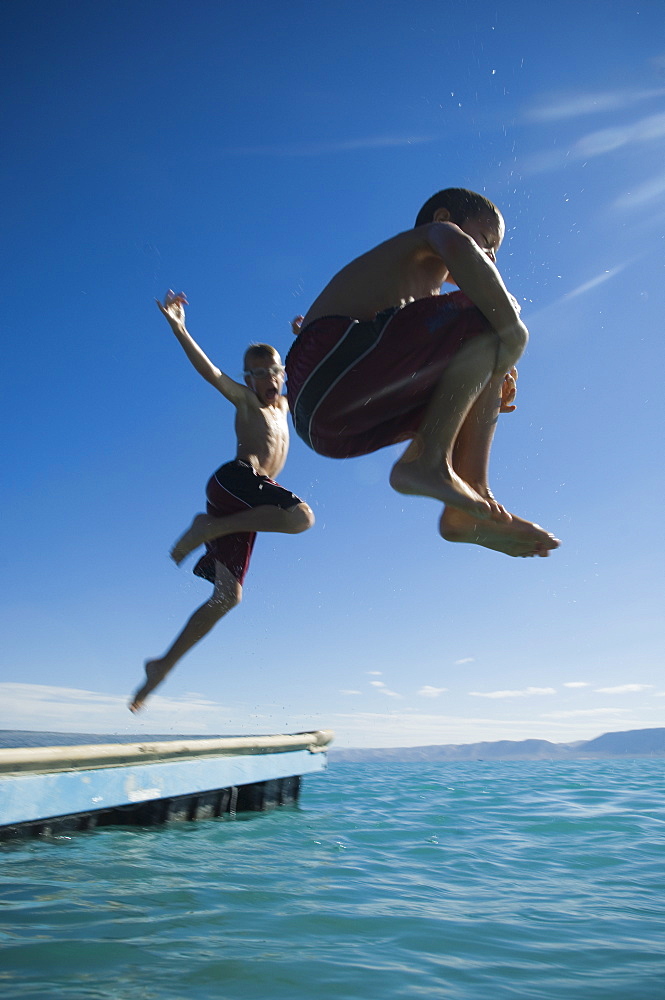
{"x":400,"y":270}
{"x":263,"y":435}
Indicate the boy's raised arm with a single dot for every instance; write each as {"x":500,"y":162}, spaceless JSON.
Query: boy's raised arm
{"x":173,"y":310}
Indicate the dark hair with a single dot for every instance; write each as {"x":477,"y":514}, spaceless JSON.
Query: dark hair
{"x":461,"y":204}
{"x":255,"y":351}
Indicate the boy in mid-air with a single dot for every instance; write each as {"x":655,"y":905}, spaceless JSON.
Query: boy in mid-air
{"x":242,"y":495}
{"x":383,"y":357}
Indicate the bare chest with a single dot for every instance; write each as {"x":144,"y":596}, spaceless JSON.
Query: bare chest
{"x":263,"y":438}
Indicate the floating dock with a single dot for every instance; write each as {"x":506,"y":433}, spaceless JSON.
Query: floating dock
{"x":58,"y":789}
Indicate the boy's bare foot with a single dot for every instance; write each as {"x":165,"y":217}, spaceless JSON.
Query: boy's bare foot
{"x":441,"y":483}
{"x":515,"y":538}
{"x":155,"y":672}
{"x":191,"y":539}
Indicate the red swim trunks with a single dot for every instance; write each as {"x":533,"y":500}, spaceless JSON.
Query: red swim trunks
{"x":355,"y":387}
{"x":234,"y":487}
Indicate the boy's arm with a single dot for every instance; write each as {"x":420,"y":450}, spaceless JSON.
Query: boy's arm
{"x":478,"y":278}
{"x":173,"y":310}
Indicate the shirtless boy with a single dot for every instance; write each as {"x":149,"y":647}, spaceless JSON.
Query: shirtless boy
{"x":383,"y":357}
{"x":242,"y":495}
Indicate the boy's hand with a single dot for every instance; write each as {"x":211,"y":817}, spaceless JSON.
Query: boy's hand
{"x":508,"y":392}
{"x":173,"y":307}
{"x":296,"y":325}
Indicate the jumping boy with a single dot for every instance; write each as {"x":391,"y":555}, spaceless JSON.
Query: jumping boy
{"x":242,"y":496}
{"x":383,"y":357}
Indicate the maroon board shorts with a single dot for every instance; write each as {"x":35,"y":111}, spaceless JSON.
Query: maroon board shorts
{"x":234,"y":487}
{"x":355,"y":387}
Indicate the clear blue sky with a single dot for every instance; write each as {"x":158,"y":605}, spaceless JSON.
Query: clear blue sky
{"x":244,"y":153}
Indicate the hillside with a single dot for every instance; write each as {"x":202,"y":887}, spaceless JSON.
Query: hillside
{"x":633,"y":743}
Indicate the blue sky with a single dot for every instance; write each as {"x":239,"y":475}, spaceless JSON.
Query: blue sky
{"x":244,"y":153}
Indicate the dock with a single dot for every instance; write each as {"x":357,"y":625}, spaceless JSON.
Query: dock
{"x":59,"y":789}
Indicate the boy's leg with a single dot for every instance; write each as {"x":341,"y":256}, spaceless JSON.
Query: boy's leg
{"x":471,"y":451}
{"x":448,"y":459}
{"x":226,"y":595}
{"x":471,"y":454}
{"x":426,"y":467}
{"x":205,"y":527}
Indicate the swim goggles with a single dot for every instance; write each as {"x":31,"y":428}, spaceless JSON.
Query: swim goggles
{"x":264,"y":372}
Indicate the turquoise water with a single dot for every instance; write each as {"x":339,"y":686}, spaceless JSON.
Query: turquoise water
{"x":474,"y":881}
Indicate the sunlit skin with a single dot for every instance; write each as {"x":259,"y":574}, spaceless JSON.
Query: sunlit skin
{"x":448,"y":458}
{"x":262,"y":434}
{"x":414,"y":265}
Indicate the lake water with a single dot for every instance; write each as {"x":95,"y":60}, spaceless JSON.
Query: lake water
{"x":467,"y":881}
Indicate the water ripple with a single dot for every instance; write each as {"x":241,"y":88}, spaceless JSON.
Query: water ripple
{"x":466,"y":881}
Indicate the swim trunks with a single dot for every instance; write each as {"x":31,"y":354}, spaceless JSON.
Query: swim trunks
{"x":236,"y":486}
{"x":355,"y":387}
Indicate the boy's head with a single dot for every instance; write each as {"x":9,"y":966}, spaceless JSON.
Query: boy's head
{"x":264,"y":372}
{"x":475,"y":215}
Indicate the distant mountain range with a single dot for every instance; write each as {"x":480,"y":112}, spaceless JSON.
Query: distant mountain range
{"x":634,"y":743}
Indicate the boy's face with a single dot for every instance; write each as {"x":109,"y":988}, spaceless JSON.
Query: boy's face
{"x":487,"y":232}
{"x":265,"y":377}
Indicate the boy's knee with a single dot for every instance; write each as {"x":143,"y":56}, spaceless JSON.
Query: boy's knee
{"x":226,"y":597}
{"x":512,"y":343}
{"x":302,"y":517}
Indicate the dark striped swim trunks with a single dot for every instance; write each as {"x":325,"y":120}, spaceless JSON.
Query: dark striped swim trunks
{"x":355,"y":387}
{"x":237,"y":486}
